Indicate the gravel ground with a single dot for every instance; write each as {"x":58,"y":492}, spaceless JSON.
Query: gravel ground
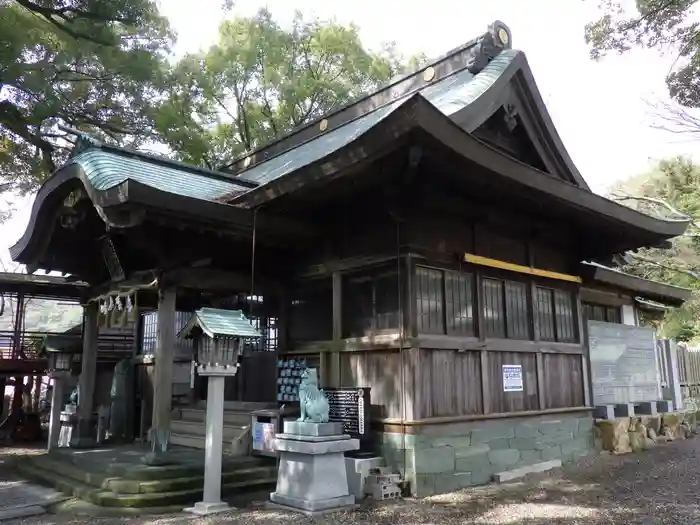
{"x":659,"y":487}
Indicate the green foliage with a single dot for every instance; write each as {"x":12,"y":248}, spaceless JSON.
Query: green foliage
{"x":90,"y":64}
{"x":667,"y":25}
{"x":671,"y":190}
{"x":261,"y":80}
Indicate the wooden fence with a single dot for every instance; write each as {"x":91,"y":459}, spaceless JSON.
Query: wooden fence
{"x":689,"y":365}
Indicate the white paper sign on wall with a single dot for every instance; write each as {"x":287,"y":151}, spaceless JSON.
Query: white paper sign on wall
{"x":512,"y":378}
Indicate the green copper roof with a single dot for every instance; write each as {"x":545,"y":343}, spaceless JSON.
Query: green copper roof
{"x":221,"y":323}
{"x":448,"y":95}
{"x":106,"y":169}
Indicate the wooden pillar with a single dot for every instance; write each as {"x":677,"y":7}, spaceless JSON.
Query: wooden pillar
{"x":159,"y":436}
{"x":83,"y":435}
{"x":334,"y":356}
{"x":586,"y":356}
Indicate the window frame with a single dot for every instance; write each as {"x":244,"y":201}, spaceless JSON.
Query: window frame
{"x":478,"y":275}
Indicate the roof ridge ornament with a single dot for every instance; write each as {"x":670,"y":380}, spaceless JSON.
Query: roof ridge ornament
{"x":496,"y":39}
{"x":83,"y":141}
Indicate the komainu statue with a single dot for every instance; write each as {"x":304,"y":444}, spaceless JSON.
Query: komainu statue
{"x":312,"y":402}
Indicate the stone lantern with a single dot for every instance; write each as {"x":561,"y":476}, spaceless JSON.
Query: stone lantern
{"x":219,"y":336}
{"x":61,"y":355}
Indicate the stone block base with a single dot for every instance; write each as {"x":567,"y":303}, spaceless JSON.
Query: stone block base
{"x":312,"y":508}
{"x":205,"y":509}
{"x":445,"y":458}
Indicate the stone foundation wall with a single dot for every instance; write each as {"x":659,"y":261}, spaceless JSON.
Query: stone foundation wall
{"x":444,"y":458}
{"x":624,"y":435}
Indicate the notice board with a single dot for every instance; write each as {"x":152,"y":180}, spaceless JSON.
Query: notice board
{"x":624,"y":363}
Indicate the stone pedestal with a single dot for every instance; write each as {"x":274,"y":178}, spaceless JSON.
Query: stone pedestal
{"x":312,"y":477}
{"x":211,"y":502}
{"x":56,"y":406}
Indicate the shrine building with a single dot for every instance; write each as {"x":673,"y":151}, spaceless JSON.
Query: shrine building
{"x":432,"y":241}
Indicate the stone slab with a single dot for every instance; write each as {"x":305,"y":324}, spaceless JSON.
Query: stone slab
{"x":311,"y":514}
{"x":664,"y":406}
{"x":202,"y":508}
{"x":313,"y":429}
{"x":646,"y":408}
{"x":313,"y":439}
{"x":306,"y":506}
{"x":624,"y":410}
{"x":21,"y":512}
{"x":604,"y":412}
{"x":509,"y":475}
{"x":316,"y":448}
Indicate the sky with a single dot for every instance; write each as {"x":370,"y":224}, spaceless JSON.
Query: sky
{"x":601,"y":109}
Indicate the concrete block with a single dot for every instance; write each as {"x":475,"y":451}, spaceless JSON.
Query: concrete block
{"x":575,"y":445}
{"x":646,"y":409}
{"x":434,"y":460}
{"x":482,"y":477}
{"x":312,"y":507}
{"x":585,"y":425}
{"x":624,"y":410}
{"x":445,"y":483}
{"x":424,"y":485}
{"x":551,"y":452}
{"x":527,"y":430}
{"x":524,"y":443}
{"x":557,"y":438}
{"x":604,"y":412}
{"x":472,"y":463}
{"x":313,"y":429}
{"x":454,"y":442}
{"x":474,"y":450}
{"x":504,"y":458}
{"x":509,"y":475}
{"x":530,"y":456}
{"x":492,"y":433}
{"x":357,"y":470}
{"x":552,"y":426}
{"x":317,"y":448}
{"x":499,"y":444}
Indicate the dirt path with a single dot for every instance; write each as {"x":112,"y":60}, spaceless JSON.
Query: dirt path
{"x":657,"y":487}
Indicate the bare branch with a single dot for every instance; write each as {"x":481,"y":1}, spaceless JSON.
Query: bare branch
{"x":684,"y":271}
{"x":674,"y":118}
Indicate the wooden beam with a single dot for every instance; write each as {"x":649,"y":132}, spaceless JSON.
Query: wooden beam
{"x":540,"y":380}
{"x":519,"y":268}
{"x":485,"y":382}
{"x":446,"y":420}
{"x":334,"y":364}
{"x":451,"y":342}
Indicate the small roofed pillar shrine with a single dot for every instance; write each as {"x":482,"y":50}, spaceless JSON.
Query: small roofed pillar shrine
{"x":220,"y":337}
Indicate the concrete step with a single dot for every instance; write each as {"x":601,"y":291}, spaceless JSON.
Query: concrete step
{"x":147,"y":500}
{"x":235,"y":418}
{"x":196,"y":428}
{"x":233,"y":447}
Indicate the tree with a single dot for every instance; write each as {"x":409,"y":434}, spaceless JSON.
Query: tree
{"x":95,"y":65}
{"x":671,"y":191}
{"x":666,"y":25}
{"x":261,"y":80}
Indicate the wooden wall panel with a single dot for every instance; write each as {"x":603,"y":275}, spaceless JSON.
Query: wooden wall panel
{"x":563,"y":381}
{"x":502,"y":401}
{"x":448,"y":384}
{"x":382,"y":372}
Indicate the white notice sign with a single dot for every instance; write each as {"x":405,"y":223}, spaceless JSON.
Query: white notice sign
{"x":512,"y":378}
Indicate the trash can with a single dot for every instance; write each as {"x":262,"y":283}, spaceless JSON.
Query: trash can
{"x":265,"y":425}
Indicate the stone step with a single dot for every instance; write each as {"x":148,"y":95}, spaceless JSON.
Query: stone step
{"x":195,"y":428}
{"x":231,"y":417}
{"x":233,"y":447}
{"x":146,"y":500}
